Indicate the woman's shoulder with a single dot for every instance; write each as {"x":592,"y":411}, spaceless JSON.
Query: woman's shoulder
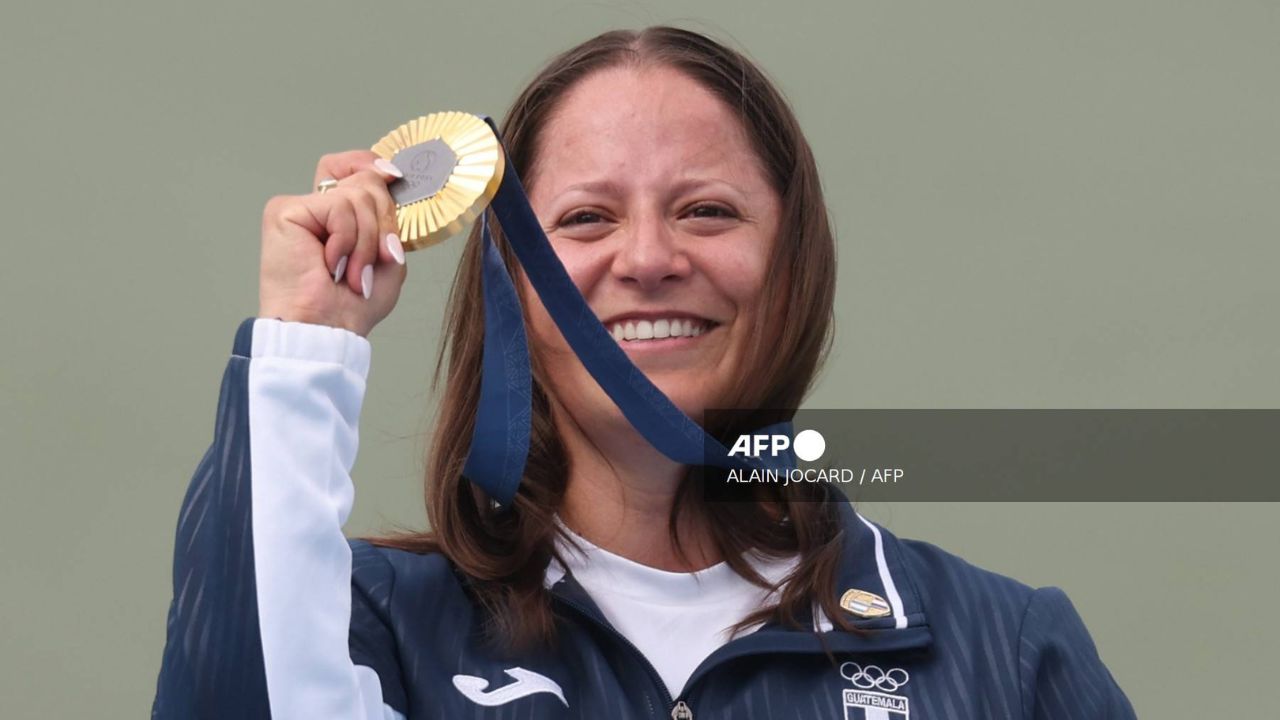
{"x":958,"y":593}
{"x":383,"y":573}
{"x":943,"y":576}
{"x":1036,"y":630}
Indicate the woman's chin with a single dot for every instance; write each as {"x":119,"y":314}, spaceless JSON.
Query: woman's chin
{"x":695,"y":405}
{"x":693,"y":396}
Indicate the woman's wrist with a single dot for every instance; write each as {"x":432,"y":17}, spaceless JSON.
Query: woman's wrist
{"x":311,"y":319}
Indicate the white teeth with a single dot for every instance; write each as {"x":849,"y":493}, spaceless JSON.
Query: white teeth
{"x":657,"y":329}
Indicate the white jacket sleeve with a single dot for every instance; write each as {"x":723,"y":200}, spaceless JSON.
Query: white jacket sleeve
{"x":261,"y":618}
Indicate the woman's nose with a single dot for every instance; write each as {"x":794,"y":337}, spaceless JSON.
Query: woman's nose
{"x":650,"y":254}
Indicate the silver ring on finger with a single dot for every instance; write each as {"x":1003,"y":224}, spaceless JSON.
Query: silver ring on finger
{"x":326,"y":185}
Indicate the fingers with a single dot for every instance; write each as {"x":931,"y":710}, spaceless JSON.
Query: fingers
{"x":355,"y":220}
{"x":365,"y":254}
{"x":347,"y":232}
{"x":361,"y":228}
{"x":379,"y":240}
{"x":375,"y":183}
{"x":328,"y":218}
{"x":345,"y":164}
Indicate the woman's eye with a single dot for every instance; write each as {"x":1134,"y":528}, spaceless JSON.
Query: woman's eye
{"x":581,"y":218}
{"x":711,"y":211}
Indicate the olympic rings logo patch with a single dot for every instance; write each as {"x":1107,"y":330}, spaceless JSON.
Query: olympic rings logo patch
{"x":873,"y":676}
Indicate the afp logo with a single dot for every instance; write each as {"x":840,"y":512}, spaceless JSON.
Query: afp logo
{"x":872,"y":696}
{"x":809,"y":445}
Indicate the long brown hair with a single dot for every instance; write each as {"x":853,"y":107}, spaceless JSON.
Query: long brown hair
{"x":503,"y":553}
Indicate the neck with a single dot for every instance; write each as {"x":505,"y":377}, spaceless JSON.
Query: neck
{"x":619,"y":496}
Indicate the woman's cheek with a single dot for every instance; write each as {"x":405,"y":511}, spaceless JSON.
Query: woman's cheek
{"x":736,"y":272}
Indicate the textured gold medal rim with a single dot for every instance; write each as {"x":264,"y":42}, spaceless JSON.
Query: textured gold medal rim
{"x":470,"y":187}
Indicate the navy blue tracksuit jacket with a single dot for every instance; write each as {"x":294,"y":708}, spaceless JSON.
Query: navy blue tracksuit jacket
{"x":276,"y":615}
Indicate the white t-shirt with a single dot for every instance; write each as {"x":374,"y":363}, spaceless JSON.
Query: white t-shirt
{"x":675,"y":619}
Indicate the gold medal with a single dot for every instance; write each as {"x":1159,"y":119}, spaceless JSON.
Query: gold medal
{"x":452,"y":164}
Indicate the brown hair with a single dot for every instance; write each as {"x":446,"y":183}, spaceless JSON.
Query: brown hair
{"x":503,"y":553}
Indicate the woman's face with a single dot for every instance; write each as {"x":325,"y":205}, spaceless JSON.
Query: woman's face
{"x":650,"y":193}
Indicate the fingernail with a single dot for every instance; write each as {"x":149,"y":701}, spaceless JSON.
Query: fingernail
{"x":385,"y":166}
{"x":393,"y":244}
{"x":366,"y":281}
{"x":342,"y":267}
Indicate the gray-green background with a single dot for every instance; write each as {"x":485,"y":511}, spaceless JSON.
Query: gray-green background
{"x":1038,"y":205}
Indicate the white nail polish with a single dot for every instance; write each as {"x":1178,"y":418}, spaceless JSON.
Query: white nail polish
{"x":397,"y":250}
{"x":386,"y":167}
{"x":342,"y":267}
{"x":366,"y":281}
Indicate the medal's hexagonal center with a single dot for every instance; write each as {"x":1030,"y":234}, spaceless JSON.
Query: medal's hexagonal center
{"x":426,"y":167}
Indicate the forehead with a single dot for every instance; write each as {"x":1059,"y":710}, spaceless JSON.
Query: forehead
{"x":643,"y":123}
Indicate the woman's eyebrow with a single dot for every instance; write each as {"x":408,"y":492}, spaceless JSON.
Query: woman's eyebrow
{"x":600,"y":187}
{"x":690,"y":184}
{"x":613,"y":189}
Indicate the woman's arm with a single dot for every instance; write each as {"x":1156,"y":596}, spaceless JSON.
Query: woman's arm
{"x":264,"y":620}
{"x":1062,"y":676}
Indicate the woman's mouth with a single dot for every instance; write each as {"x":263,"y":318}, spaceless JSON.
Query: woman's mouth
{"x":643,"y":331}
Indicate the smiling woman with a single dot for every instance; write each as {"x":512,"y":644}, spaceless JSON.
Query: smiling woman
{"x":678,"y":192}
{"x":663,"y":168}
{"x":683,"y":230}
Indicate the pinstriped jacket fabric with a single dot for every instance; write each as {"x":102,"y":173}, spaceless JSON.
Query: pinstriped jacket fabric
{"x":276,"y":615}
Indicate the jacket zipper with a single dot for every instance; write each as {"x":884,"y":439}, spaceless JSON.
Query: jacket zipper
{"x":654,"y":677}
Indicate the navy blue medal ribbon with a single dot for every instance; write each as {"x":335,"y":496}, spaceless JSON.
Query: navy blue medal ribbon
{"x":500,"y":441}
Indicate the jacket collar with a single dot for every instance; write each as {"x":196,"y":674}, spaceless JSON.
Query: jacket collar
{"x":871,"y":560}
